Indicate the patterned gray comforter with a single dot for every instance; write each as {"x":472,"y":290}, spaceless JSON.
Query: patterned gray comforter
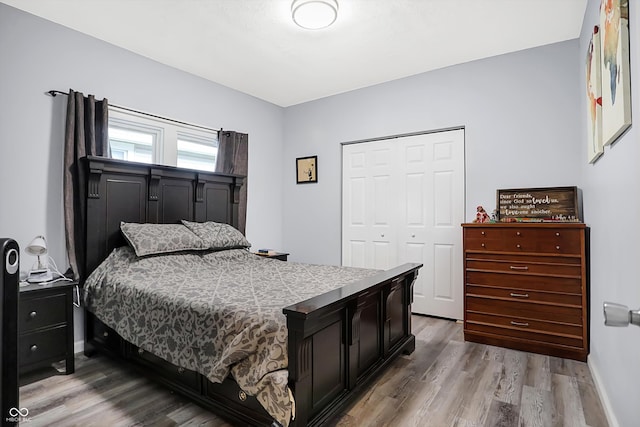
{"x":215,"y":313}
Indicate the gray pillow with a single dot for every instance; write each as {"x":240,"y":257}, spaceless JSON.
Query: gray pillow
{"x":152,"y":239}
{"x":218,"y":235}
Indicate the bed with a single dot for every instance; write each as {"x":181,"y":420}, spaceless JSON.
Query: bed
{"x":337,"y":340}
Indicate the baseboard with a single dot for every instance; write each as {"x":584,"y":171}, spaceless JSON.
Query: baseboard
{"x":78,"y":346}
{"x":602,"y":393}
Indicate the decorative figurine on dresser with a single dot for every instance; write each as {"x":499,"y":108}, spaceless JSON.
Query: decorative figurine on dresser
{"x":525,"y":276}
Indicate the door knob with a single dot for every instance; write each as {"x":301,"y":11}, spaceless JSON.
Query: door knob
{"x":620,"y":315}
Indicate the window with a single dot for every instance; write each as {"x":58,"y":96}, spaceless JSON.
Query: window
{"x":135,"y":142}
{"x":140,"y":138}
{"x":195,"y":152}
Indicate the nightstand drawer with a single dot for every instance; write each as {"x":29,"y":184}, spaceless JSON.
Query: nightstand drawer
{"x":38,"y":346}
{"x":36,"y":313}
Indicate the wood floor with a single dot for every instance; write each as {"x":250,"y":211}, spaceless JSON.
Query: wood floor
{"x":445,"y":382}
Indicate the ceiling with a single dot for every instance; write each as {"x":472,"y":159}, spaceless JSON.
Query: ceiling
{"x":254,"y":47}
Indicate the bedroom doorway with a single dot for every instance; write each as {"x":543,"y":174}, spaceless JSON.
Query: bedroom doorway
{"x":403,"y":201}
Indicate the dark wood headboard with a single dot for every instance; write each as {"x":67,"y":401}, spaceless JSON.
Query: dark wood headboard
{"x":134,"y":192}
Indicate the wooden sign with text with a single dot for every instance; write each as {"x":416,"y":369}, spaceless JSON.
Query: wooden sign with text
{"x":551,"y":204}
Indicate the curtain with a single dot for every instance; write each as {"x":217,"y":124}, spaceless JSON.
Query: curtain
{"x":233,"y":157}
{"x":86,"y":134}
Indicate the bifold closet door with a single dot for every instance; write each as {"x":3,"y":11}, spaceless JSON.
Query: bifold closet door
{"x":403,"y":201}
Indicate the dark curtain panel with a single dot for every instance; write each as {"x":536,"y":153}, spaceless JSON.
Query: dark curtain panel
{"x":233,"y":157}
{"x":86,"y":134}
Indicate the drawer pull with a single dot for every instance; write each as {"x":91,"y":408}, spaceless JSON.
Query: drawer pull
{"x":482,"y":245}
{"x":558,"y":247}
{"x":518,"y":246}
{"x":140,"y":351}
{"x":518,"y":267}
{"x":558,"y":234}
{"x":181,"y":370}
{"x":33,"y":315}
{"x":519,"y":295}
{"x":34,"y":348}
{"x":517,"y":233}
{"x":482,"y":233}
{"x":519,"y":324}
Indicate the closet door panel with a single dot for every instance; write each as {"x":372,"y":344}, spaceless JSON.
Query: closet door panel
{"x":368,"y":216}
{"x":432,"y":212}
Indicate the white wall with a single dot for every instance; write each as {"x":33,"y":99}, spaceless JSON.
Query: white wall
{"x":522,"y":125}
{"x":611,"y":209}
{"x":37,"y":55}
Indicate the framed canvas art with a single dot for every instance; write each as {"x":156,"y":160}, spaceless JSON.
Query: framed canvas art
{"x":594,"y":98}
{"x":616,"y":81}
{"x":306,"y":170}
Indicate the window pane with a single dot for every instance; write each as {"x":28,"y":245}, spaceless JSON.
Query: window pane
{"x":197,"y":155}
{"x":131,"y":145}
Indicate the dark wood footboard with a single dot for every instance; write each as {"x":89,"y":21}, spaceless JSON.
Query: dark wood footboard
{"x":341,"y":340}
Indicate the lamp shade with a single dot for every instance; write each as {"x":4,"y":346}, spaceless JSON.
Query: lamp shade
{"x":38,"y":246}
{"x":314,"y":14}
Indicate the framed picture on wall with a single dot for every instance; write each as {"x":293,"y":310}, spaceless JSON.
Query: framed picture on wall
{"x":306,"y":170}
{"x":615,"y":73}
{"x":594,"y":98}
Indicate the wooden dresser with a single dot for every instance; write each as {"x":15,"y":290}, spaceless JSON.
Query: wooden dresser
{"x":526,"y":287}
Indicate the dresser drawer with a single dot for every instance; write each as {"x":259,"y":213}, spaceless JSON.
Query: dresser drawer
{"x":484,"y":239}
{"x":571,"y":285}
{"x":521,"y":323}
{"x":38,"y":346}
{"x":525,"y":329}
{"x":525,"y":310}
{"x":42,"y":312}
{"x":525,"y":295}
{"x":521,"y":264}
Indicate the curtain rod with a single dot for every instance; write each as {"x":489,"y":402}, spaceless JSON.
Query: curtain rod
{"x":54,"y":93}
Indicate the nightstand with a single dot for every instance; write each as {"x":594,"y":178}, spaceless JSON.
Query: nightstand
{"x":282,"y":256}
{"x":45,"y":326}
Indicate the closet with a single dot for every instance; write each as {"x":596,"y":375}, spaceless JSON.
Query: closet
{"x":403,"y":201}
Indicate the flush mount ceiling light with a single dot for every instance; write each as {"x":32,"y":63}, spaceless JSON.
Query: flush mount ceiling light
{"x":314,"y":14}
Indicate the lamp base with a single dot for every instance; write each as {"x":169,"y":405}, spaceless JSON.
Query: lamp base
{"x":40,"y":276}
